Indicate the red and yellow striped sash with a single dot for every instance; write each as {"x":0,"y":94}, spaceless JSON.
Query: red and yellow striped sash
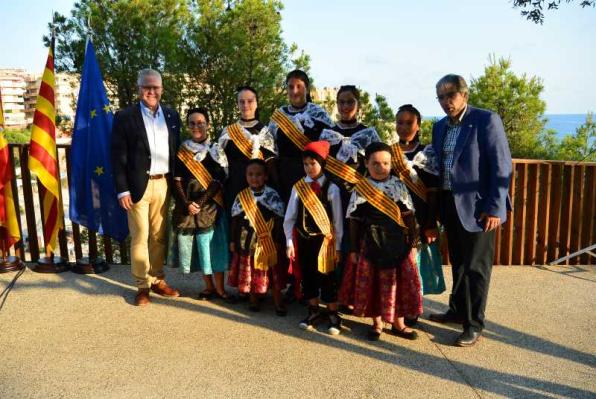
{"x":401,"y":168}
{"x":241,"y":141}
{"x":333,"y":165}
{"x":326,"y":261}
{"x":380,"y":200}
{"x":199,"y":172}
{"x":265,"y":251}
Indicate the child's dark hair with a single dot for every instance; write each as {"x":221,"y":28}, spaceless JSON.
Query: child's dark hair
{"x":198,"y":110}
{"x":411,"y":109}
{"x":257,"y":161}
{"x":376,"y":147}
{"x":313,"y":155}
{"x":350,"y":89}
{"x":300,"y":75}
{"x":252,"y":90}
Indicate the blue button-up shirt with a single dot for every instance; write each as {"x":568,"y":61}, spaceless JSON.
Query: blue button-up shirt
{"x":451,"y":136}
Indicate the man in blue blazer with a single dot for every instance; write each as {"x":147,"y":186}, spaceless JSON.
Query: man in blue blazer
{"x":475,"y":163}
{"x":145,"y":137}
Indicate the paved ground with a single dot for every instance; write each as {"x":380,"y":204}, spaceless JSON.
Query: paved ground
{"x":68,"y":335}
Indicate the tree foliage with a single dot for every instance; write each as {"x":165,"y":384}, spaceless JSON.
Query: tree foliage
{"x":580,"y":146}
{"x":204,"y":49}
{"x":517,"y":100}
{"x":533,"y":10}
{"x":128,"y":36}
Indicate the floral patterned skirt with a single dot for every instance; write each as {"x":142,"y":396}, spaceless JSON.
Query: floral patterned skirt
{"x":247,"y":279}
{"x":389,"y":293}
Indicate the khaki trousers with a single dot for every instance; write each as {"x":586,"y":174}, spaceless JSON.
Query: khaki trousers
{"x":147,"y":225}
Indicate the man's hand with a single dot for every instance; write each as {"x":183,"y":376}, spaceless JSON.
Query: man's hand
{"x":354,"y":257}
{"x":126,"y":202}
{"x":290,"y":253}
{"x":431,"y":235}
{"x":490,"y":222}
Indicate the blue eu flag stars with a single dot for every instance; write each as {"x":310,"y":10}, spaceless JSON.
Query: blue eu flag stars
{"x":93,"y":199}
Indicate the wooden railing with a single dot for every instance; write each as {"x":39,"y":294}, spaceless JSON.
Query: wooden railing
{"x":554,"y":209}
{"x":75,"y":241}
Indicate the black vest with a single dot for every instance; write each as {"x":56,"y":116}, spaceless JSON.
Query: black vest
{"x":305,"y":223}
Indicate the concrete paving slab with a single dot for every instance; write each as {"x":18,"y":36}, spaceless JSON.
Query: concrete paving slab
{"x":68,"y":335}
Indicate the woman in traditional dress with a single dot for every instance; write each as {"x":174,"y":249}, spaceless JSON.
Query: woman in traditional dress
{"x":244,"y":140}
{"x":198,"y":218}
{"x":293,"y":126}
{"x":422,"y":172}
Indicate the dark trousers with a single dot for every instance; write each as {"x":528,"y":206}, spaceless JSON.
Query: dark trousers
{"x":314,"y":283}
{"x":471,"y":256}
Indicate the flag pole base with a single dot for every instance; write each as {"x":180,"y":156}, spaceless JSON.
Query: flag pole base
{"x":90,"y":266}
{"x":54,"y":264}
{"x":10,"y":264}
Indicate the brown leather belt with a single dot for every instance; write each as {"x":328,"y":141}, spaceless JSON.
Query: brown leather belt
{"x":156,"y":177}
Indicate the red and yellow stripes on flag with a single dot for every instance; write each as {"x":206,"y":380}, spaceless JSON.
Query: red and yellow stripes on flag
{"x":43,"y":159}
{"x":9,"y":225}
{"x":312,"y":203}
{"x":265,"y":251}
{"x":199,"y":171}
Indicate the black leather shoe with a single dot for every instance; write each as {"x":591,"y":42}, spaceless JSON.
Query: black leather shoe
{"x":468,"y":338}
{"x":446,"y":318}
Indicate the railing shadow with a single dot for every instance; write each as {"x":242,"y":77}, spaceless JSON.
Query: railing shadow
{"x":117,"y":282}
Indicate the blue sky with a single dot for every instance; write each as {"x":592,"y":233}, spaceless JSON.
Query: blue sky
{"x":395,"y":48}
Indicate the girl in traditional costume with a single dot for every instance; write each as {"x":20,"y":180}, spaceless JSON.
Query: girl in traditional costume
{"x":257,"y":237}
{"x":381,"y":279}
{"x":244,"y":140}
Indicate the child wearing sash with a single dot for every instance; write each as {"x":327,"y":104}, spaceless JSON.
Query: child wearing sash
{"x":257,"y":239}
{"x":381,"y":278}
{"x":198,"y":218}
{"x":313,"y":226}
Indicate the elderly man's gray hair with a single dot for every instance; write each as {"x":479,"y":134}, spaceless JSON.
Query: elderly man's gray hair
{"x":453,"y":80}
{"x":147,"y":72}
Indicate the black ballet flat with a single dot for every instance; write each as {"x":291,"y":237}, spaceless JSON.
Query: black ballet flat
{"x":411,"y":335}
{"x":373,"y":334}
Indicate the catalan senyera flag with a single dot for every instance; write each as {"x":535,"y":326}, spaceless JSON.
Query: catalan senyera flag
{"x":9,"y":226}
{"x":43,"y":155}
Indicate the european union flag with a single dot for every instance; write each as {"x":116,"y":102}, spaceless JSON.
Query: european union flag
{"x":93,"y":199}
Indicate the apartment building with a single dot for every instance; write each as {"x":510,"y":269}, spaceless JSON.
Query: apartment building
{"x":12,"y":87}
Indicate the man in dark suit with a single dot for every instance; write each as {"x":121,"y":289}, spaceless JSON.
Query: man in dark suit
{"x":475,"y":163}
{"x":145,"y":137}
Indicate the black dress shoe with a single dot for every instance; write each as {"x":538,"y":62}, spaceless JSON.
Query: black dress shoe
{"x":468,"y":338}
{"x":448,"y":317}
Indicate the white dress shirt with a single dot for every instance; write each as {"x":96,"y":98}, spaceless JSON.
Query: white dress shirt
{"x":334,"y":199}
{"x":157,"y":135}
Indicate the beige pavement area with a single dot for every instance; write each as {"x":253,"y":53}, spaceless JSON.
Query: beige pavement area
{"x":77,"y":336}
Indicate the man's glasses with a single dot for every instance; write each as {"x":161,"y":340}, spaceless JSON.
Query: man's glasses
{"x":149,"y":88}
{"x":198,"y":124}
{"x":449,"y":95}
